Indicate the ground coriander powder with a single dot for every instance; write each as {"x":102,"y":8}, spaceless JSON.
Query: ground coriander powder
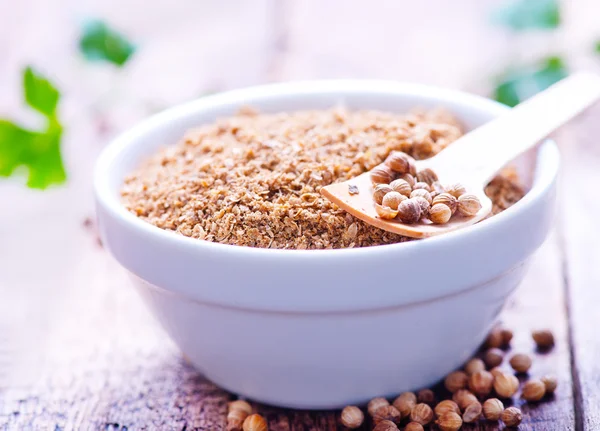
{"x":254,"y":179}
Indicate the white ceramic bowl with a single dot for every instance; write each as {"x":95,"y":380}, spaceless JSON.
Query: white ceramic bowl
{"x":321,"y":329}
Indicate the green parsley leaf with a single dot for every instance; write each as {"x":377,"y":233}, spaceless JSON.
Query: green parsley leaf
{"x":520,"y":15}
{"x":14,"y":141}
{"x":44,"y":159}
{"x":517,"y":85}
{"x":598,"y":47}
{"x":40,"y":94}
{"x":39,"y":151}
{"x":101,"y":43}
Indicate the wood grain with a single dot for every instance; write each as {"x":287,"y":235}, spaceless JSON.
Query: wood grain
{"x":539,"y":303}
{"x":108,"y":365}
{"x":581,"y":239}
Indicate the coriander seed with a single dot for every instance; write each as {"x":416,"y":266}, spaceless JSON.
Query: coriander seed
{"x":387,"y":413}
{"x":401,"y":186}
{"x":495,"y":338}
{"x":409,"y":179}
{"x":450,"y":421}
{"x":352,"y":417}
{"x":392,"y":200}
{"x":439,"y":214}
{"x":427,"y":176}
{"x":507,"y":336}
{"x":472,"y":412}
{"x":422,"y":203}
{"x":511,"y":417}
{"x":493,"y":357}
{"x":414,"y":426}
{"x":446,"y":406}
{"x":492,"y":409}
{"x":550,"y":383}
{"x":533,"y":390}
{"x":456,"y":190}
{"x":405,"y":403}
{"x":375,"y":404}
{"x":463,"y":398}
{"x":446,"y":199}
{"x":386,"y":426}
{"x":240,"y":405}
{"x":235,"y":420}
{"x":495,"y":371}
{"x":423,"y":194}
{"x":385,"y":213}
{"x":437,"y":188}
{"x":380,"y":191}
{"x":474,"y":365}
{"x":468,"y":205}
{"x":381,"y":174}
{"x":456,"y":380}
{"x":421,"y":185}
{"x":412,"y":167}
{"x":255,"y":422}
{"x":506,"y":385}
{"x":409,"y":211}
{"x":422,"y":414}
{"x":481,"y":382}
{"x":544,"y":338}
{"x":426,"y":396}
{"x":398,"y":162}
{"x":520,"y":362}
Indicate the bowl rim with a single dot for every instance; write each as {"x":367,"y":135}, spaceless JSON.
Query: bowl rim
{"x":546,"y":164}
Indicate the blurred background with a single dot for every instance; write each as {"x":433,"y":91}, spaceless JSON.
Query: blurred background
{"x":74,"y":74}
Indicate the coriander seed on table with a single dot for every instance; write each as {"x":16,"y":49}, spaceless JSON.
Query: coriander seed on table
{"x":511,"y":416}
{"x":464,"y":407}
{"x":456,"y":380}
{"x":352,"y":417}
{"x":493,"y":357}
{"x":472,"y":412}
{"x":405,"y":403}
{"x":533,"y":390}
{"x":544,"y":338}
{"x":520,"y":362}
{"x":375,"y":404}
{"x":421,"y":413}
{"x":449,"y":421}
{"x":550,"y":382}
{"x":255,"y":422}
{"x":492,"y":409}
{"x":445,"y":407}
{"x":505,"y":384}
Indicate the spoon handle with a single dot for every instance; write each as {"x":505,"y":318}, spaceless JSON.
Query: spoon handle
{"x":480,"y":154}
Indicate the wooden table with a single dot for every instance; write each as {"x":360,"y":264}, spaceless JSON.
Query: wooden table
{"x":79,"y":351}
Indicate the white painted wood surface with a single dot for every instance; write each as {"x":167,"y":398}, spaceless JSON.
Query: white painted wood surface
{"x":66,"y":311}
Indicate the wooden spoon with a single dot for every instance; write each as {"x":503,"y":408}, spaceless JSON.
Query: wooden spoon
{"x":475,"y":158}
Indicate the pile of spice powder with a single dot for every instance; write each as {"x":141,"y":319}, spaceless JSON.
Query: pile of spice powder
{"x":254,"y":179}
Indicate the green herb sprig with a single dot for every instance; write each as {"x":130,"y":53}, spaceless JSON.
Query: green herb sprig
{"x":523,"y":15}
{"x":37,"y":150}
{"x":517,"y":85}
{"x":99,"y":42}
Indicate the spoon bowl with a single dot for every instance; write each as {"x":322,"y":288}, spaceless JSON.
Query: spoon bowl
{"x":361,"y":206}
{"x":474,"y":159}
